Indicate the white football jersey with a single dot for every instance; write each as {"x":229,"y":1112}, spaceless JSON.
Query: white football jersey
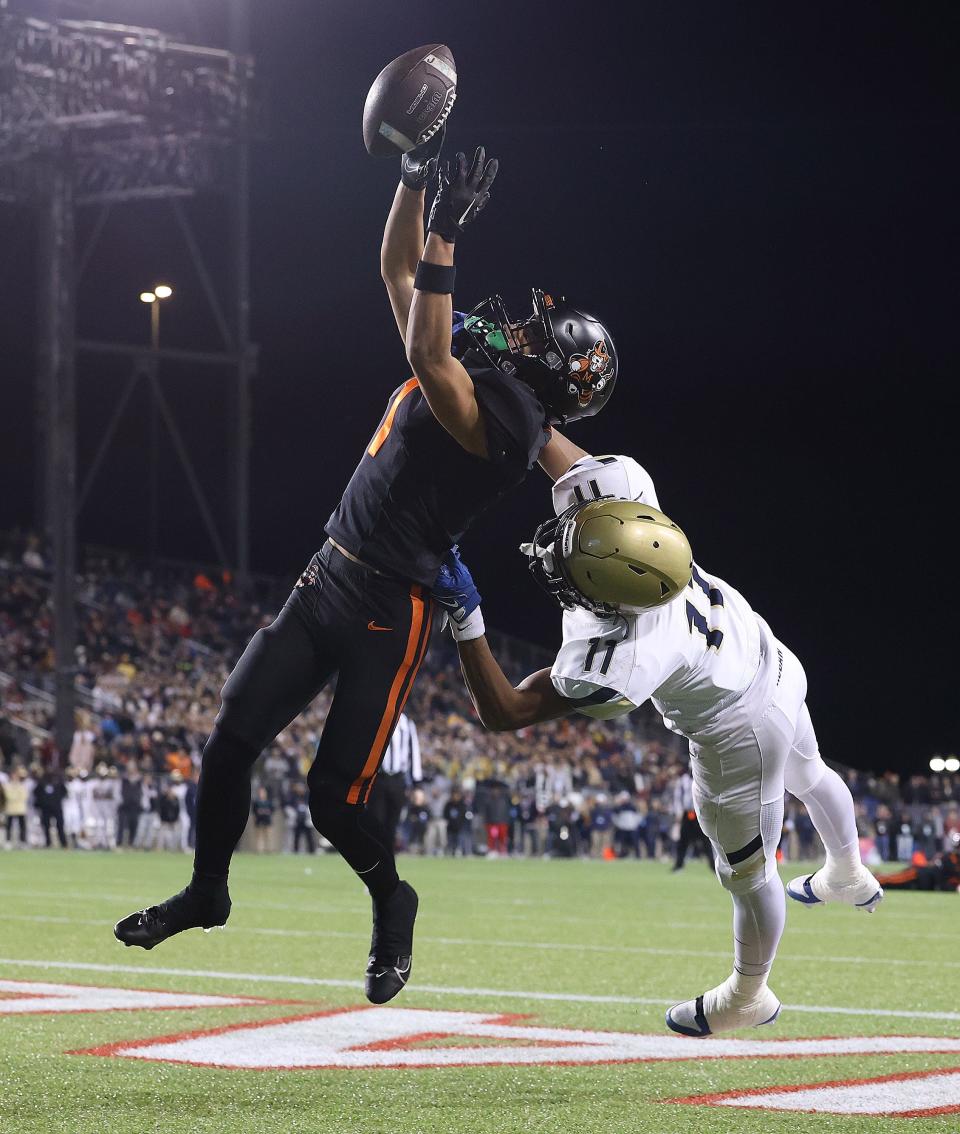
{"x":694,"y":656}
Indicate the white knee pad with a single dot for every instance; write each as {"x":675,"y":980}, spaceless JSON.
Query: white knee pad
{"x":752,"y":873}
{"x":746,"y":877}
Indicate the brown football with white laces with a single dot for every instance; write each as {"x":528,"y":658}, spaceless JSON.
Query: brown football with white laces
{"x":410,"y":100}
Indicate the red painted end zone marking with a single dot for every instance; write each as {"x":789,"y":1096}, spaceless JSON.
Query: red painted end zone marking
{"x":152,"y":1041}
{"x":238,"y":1001}
{"x":759,"y":1092}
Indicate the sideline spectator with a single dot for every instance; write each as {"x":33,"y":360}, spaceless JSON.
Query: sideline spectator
{"x":263,"y":809}
{"x":168,"y":812}
{"x":436,"y":786}
{"x":690,"y":831}
{"x":148,"y":829}
{"x":74,"y":807}
{"x":298,"y":813}
{"x":131,"y":805}
{"x":104,"y":802}
{"x":627,"y":824}
{"x":15,"y":796}
{"x":496,"y":819}
{"x":418,"y":817}
{"x":601,"y":827}
{"x":459,"y":820}
{"x":48,"y":798}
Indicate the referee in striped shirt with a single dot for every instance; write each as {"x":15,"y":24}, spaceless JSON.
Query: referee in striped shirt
{"x":690,"y":830}
{"x":400,"y":769}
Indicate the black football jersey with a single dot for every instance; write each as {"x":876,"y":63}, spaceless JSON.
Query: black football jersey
{"x":416,"y":490}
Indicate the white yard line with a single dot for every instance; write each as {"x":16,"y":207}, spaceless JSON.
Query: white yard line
{"x":451,"y":990}
{"x":785,"y":957}
{"x":910,"y":917}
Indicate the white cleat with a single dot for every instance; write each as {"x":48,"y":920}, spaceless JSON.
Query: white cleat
{"x":863,"y":891}
{"x":723,"y":1010}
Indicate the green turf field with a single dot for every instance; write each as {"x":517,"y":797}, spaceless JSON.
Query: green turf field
{"x":560,"y":934}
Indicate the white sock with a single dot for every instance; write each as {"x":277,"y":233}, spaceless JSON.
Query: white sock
{"x":830,"y":807}
{"x":758,"y":920}
{"x":747,"y":986}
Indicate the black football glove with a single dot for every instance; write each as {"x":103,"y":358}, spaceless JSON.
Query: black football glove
{"x":462,"y":194}
{"x":418,"y":167}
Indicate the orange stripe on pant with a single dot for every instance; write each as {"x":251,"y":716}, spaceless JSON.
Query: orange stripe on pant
{"x":406,"y":693}
{"x":386,"y":721}
{"x":387,"y":424}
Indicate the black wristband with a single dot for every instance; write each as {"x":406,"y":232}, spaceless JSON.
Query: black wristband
{"x":438,"y":278}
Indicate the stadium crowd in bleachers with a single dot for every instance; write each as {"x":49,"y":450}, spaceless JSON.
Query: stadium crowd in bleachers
{"x":154,"y":649}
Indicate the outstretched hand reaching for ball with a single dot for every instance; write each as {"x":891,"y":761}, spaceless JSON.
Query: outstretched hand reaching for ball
{"x":418,"y":166}
{"x":462,"y":194}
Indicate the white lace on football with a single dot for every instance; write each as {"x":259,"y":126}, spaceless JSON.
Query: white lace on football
{"x":442,"y":117}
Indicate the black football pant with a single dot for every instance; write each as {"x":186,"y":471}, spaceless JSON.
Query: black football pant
{"x":387,"y":801}
{"x":345,"y":619}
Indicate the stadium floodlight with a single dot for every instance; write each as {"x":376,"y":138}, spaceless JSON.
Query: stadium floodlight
{"x":937,"y":764}
{"x":951,"y":764}
{"x":146,"y":116}
{"x":154,"y":298}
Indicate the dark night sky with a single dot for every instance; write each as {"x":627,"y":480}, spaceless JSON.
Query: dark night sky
{"x":761,"y":200}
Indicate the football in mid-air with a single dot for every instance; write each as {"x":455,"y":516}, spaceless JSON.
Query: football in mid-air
{"x":409,"y":100}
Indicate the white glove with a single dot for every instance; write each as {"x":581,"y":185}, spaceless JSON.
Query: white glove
{"x":532,"y":551}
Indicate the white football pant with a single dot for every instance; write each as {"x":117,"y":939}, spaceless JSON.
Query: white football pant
{"x":739,"y":777}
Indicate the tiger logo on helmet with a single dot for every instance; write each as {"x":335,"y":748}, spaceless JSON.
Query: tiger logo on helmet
{"x":587,"y":373}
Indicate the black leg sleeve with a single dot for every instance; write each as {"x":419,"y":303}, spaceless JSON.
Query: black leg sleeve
{"x":223,"y":801}
{"x":280,"y":672}
{"x":359,"y":839}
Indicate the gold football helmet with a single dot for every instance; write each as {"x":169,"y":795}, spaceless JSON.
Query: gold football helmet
{"x":609,"y":555}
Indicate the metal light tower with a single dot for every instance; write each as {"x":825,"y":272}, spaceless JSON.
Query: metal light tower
{"x":96,"y":114}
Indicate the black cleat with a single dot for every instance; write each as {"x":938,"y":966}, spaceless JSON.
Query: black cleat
{"x":391,"y":948}
{"x":185,"y":910}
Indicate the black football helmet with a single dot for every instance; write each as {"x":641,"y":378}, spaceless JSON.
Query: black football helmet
{"x":565,"y":355}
